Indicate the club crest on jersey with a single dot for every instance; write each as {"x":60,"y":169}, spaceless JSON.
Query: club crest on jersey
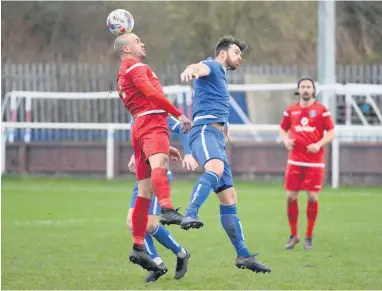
{"x":313,"y":113}
{"x":304,"y":127}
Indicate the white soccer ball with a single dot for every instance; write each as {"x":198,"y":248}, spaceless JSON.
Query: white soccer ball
{"x":120,"y":21}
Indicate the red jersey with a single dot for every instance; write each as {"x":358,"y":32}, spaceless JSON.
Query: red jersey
{"x":141,"y":91}
{"x":306,"y":126}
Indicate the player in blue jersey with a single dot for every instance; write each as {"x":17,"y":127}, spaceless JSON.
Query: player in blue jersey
{"x":210,"y":109}
{"x":154,"y":229}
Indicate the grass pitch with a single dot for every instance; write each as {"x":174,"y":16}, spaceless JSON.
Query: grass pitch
{"x":71,"y":234}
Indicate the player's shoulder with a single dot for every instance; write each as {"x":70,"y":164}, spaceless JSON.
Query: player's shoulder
{"x":292,"y":108}
{"x":319,"y":107}
{"x":210,"y":60}
{"x":212,"y":64}
{"x":129,"y":65}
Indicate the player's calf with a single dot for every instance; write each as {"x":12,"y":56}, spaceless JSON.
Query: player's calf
{"x":311,"y":213}
{"x":202,"y":189}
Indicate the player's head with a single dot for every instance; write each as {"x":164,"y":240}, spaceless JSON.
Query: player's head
{"x":228,"y":51}
{"x":306,"y":89}
{"x":129,"y":44}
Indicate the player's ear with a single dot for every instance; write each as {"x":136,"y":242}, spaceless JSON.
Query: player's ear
{"x":224,"y":54}
{"x":126,"y":49}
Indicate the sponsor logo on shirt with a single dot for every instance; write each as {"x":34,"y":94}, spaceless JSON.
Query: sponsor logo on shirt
{"x":304,"y":127}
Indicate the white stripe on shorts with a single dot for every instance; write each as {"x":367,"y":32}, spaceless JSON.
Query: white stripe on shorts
{"x":204,"y":145}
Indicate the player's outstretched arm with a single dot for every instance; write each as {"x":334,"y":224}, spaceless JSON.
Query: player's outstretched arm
{"x":142,"y":82}
{"x":195,"y":71}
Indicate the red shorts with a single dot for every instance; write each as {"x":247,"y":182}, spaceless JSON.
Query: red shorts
{"x":150,"y":136}
{"x":298,"y":178}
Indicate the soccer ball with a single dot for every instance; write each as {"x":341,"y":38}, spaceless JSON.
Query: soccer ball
{"x":120,"y":21}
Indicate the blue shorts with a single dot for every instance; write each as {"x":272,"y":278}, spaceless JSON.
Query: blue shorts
{"x":207,"y":143}
{"x":154,"y":207}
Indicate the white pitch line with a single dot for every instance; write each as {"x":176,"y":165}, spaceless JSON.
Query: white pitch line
{"x":66,"y":189}
{"x":62,"y":222}
{"x":61,"y":188}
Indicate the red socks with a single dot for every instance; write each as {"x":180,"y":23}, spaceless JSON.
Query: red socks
{"x":311,"y":214}
{"x":139,"y":219}
{"x":293,"y":216}
{"x":161,"y":187}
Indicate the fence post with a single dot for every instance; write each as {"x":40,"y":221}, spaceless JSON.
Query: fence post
{"x":335,"y":162}
{"x":110,"y":153}
{"x":3,"y":149}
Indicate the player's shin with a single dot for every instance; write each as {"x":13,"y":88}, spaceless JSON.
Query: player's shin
{"x":311,"y":213}
{"x":232,"y":226}
{"x":140,"y":219}
{"x":161,"y":187}
{"x":202,"y":189}
{"x":292,"y":211}
{"x":151,"y":249}
{"x":163,"y":236}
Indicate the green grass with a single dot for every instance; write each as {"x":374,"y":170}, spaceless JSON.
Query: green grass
{"x":71,"y":234}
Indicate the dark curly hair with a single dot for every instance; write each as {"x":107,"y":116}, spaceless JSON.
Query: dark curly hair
{"x":225,"y":43}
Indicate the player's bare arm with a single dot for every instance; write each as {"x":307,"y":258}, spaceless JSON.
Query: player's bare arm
{"x":328,"y":137}
{"x":289,"y":144}
{"x":194,"y":71}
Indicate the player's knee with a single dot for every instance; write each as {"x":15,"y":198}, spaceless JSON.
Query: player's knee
{"x":292,"y":195}
{"x":159,"y":161}
{"x":227,"y":195}
{"x":216,"y":166}
{"x":313,"y":196}
{"x":152,"y":223}
{"x":145,"y":189}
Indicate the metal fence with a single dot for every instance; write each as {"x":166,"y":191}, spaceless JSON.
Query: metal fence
{"x":102,"y":77}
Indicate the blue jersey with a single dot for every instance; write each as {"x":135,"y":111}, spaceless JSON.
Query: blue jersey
{"x":175,"y":126}
{"x":211,"y":100}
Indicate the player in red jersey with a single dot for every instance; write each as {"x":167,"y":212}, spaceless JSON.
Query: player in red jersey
{"x":302,"y":131}
{"x":142,"y":94}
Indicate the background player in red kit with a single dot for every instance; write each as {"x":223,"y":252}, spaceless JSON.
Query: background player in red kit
{"x":302,"y":131}
{"x":142,"y":94}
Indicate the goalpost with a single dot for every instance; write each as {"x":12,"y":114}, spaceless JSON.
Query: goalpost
{"x":37,"y":111}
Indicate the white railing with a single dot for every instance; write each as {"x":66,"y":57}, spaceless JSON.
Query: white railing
{"x":355,"y":132}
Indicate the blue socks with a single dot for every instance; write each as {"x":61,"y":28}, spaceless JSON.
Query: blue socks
{"x":165,"y":239}
{"x":232,"y":226}
{"x":150,"y":247}
{"x":202,"y":189}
